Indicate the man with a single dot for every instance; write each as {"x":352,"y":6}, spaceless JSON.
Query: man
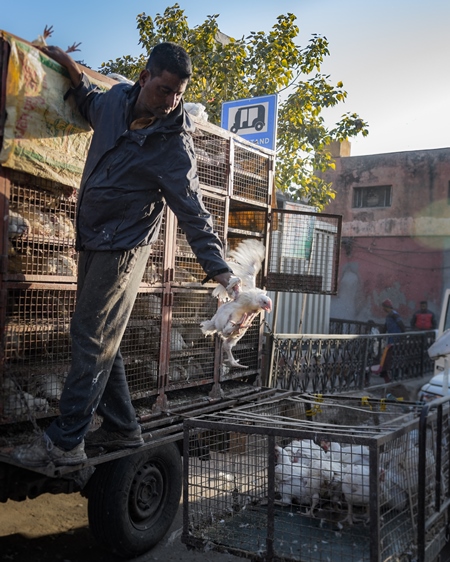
{"x":141,"y":157}
{"x":393,"y":324}
{"x":423,"y":319}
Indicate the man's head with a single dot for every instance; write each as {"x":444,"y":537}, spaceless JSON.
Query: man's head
{"x":164,"y":80}
{"x":387,"y":304}
{"x":171,"y":57}
{"x":423,"y":305}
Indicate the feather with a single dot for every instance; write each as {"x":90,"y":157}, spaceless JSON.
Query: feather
{"x":233,"y":318}
{"x":245,"y":261}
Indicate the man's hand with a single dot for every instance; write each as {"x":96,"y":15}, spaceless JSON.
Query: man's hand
{"x":223,"y":278}
{"x":234,"y":287}
{"x":231,"y":283}
{"x":61,"y":57}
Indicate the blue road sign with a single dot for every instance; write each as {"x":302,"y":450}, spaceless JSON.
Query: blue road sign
{"x":254,"y":119}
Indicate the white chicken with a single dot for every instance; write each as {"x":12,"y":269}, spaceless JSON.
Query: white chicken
{"x":234,"y":317}
{"x":296,"y":482}
{"x":18,"y":402}
{"x":356,"y":489}
{"x":305,"y":473}
{"x":304,"y":451}
{"x":245,"y":261}
{"x":17,"y":225}
{"x":291,"y":478}
{"x":347,"y":454}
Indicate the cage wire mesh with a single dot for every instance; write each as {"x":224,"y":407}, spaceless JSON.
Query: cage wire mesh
{"x":141,"y":342}
{"x":312,"y":479}
{"x":304,"y":252}
{"x":244,"y":221}
{"x":187,"y":268}
{"x":191,"y":354}
{"x":35,"y":350}
{"x":250,"y":174}
{"x":41,"y":234}
{"x":212,"y":152}
{"x":154,"y":271}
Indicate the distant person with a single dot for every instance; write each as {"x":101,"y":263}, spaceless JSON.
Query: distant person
{"x":393,"y":324}
{"x":423,"y":319}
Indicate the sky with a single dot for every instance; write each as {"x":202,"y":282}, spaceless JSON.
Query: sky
{"x":391,"y":55}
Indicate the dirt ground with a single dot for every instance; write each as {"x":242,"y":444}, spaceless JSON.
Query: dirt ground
{"x":55,"y":529}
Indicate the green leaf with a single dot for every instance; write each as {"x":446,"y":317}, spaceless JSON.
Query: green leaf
{"x":257,"y":65}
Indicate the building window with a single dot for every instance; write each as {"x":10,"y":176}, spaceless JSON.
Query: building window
{"x":448,"y":194}
{"x":375,"y":196}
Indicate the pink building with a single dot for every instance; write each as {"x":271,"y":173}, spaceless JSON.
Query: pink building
{"x":396,"y":231}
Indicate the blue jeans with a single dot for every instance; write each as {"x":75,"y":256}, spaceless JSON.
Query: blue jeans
{"x":108,"y":283}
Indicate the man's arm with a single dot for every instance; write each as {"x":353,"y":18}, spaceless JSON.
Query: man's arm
{"x":400,"y":323}
{"x":61,"y":57}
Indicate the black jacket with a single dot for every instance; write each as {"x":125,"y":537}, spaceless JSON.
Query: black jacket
{"x":129,"y":175}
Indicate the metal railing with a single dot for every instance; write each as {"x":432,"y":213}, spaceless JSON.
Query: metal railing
{"x":320,"y":363}
{"x":340,"y":326}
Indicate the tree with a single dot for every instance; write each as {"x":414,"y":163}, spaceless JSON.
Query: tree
{"x":263,"y":63}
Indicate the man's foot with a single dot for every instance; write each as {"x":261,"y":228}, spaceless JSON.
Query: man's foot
{"x":114,"y":440}
{"x":43,"y":452}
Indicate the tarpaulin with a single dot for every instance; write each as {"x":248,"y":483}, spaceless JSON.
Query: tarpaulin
{"x":44,"y":135}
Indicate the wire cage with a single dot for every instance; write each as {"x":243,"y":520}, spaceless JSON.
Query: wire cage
{"x":251,"y":174}
{"x":187,"y":269}
{"x":191,"y":354}
{"x":304,"y":252}
{"x":140,"y":345}
{"x":213,"y":153}
{"x":36,"y":350}
{"x":154,"y":271}
{"x":244,"y":220}
{"x":313,"y":478}
{"x":41,"y":232}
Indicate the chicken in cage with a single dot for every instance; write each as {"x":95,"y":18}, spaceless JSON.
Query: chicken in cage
{"x":291,"y":485}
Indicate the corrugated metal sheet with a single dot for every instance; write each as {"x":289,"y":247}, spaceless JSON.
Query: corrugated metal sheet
{"x":299,"y":313}
{"x":306,"y":313}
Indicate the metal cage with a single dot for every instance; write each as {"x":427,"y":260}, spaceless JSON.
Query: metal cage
{"x":315,"y":478}
{"x":304,"y":252}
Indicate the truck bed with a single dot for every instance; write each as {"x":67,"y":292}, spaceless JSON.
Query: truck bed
{"x":159,"y":426}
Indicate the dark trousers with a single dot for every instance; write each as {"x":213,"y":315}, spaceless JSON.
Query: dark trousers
{"x":108,"y":283}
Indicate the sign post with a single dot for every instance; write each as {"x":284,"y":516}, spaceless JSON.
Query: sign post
{"x":254,"y":119}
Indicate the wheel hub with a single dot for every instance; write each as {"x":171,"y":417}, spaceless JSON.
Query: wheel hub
{"x":146,"y":492}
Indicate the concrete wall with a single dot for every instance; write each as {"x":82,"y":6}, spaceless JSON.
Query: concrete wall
{"x":401,"y":251}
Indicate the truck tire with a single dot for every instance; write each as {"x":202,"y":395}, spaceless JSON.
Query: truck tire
{"x":133,"y":501}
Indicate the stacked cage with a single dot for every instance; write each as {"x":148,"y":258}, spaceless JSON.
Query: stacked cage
{"x":313,"y":478}
{"x":163,"y":347}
